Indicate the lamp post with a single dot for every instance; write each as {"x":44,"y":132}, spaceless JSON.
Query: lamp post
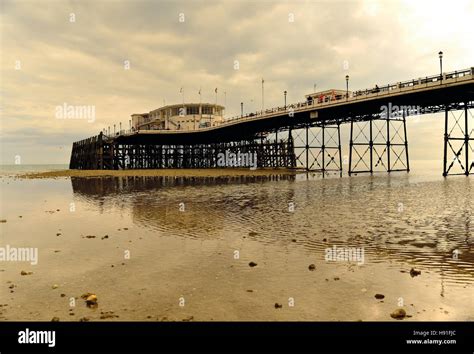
{"x":441,"y":65}
{"x":347,"y":87}
{"x":114,"y":129}
{"x":241,"y":109}
{"x":284,"y":93}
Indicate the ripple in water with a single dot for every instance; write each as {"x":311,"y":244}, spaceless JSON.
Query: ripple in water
{"x":424,"y":224}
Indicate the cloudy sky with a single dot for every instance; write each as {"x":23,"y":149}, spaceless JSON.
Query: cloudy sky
{"x":76,"y":52}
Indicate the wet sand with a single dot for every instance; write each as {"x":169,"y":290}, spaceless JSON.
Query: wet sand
{"x":163,"y":263}
{"x":207,"y":172}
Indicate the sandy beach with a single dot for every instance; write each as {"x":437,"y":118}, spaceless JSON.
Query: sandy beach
{"x":244,"y":247}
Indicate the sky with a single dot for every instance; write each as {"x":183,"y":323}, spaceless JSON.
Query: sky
{"x":125,"y":57}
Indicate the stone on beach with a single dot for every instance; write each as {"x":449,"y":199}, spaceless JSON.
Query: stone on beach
{"x":91,"y":299}
{"x":414,"y":272}
{"x":252,"y":264}
{"x":398,"y":314}
{"x":312,"y":267}
{"x":379,"y":296}
{"x":26,"y":273}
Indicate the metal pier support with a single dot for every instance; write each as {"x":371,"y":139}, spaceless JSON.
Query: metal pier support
{"x":379,"y":144}
{"x":318,"y":147}
{"x":459,"y":139}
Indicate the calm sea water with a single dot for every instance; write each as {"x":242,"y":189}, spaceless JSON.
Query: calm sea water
{"x":171,"y":240}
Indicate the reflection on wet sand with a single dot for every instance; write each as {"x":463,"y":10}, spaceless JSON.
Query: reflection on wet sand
{"x":239,"y":248}
{"x":390,"y":218}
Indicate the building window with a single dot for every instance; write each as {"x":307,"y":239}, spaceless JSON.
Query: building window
{"x":207,"y":110}
{"x":192,"y":110}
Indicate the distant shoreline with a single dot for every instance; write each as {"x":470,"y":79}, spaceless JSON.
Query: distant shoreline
{"x":222,"y":172}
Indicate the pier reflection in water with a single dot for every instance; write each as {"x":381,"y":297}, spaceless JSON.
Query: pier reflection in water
{"x":142,"y":243}
{"x":428,"y":225}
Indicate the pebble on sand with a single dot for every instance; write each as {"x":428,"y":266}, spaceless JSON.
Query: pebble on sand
{"x":379,"y":296}
{"x":278,"y":306}
{"x":3,"y":221}
{"x":414,"y":272}
{"x":253,"y":233}
{"x":252,"y":264}
{"x":398,"y":314}
{"x":107,"y":314}
{"x":55,"y":286}
{"x":312,"y":267}
{"x":91,"y":299}
{"x":55,"y":319}
{"x":26,"y":273}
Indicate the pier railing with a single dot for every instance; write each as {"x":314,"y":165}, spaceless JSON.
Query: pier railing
{"x":350,"y":97}
{"x":403,"y":86}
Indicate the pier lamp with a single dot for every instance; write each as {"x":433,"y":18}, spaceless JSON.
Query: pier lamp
{"x":114,"y":129}
{"x":441,"y":65}
{"x":284,"y":92}
{"x":347,"y":87}
{"x":241,"y":109}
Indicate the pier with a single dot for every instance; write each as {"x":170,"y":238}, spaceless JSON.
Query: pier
{"x":306,"y":135}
